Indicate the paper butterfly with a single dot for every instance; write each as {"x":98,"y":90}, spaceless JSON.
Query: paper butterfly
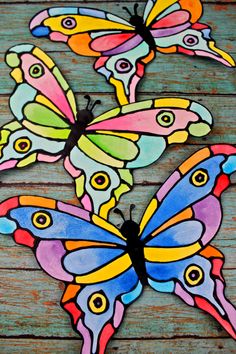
{"x":105,"y":269}
{"x":123,"y":47}
{"x":98,"y":153}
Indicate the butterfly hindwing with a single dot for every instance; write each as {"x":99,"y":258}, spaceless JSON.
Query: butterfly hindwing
{"x":175,"y":28}
{"x":199,"y":282}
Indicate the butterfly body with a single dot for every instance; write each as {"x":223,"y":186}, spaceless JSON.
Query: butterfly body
{"x":124,"y":48}
{"x":135,"y":248}
{"x":99,"y":152}
{"x":78,"y":128}
{"x":169,"y":250}
{"x":141,"y":29}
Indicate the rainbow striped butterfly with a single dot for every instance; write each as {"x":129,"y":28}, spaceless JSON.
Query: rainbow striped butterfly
{"x":169,"y":250}
{"x":123,"y":47}
{"x":98,"y":153}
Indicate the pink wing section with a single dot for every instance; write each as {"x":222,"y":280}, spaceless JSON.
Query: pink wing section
{"x":146,"y":122}
{"x":49,"y":254}
{"x":172,"y":20}
{"x":110,"y":41}
{"x":47,"y":85}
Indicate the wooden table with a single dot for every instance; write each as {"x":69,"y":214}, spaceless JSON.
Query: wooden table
{"x":31,"y":320}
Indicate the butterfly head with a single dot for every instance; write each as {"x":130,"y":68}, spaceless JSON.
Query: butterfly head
{"x":85,"y":116}
{"x":135,"y":19}
{"x":197,"y":40}
{"x":129,"y":229}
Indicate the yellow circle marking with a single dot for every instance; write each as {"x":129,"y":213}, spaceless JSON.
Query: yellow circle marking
{"x":98,"y":303}
{"x":22,"y":145}
{"x":42,"y":220}
{"x":196,"y":278}
{"x":199,"y":178}
{"x":165,"y":118}
{"x":100,"y":181}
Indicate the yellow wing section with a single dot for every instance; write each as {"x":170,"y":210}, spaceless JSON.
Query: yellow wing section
{"x":85,"y":24}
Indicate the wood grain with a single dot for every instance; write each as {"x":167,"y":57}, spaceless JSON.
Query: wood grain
{"x":31,"y":320}
{"x":163,"y":346}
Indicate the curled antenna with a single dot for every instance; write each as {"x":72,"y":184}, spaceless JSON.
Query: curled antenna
{"x":89,"y":107}
{"x":95,"y":103}
{"x":132,"y":207}
{"x":119,"y":212}
{"x":87,"y":97}
{"x":127,"y":10}
{"x":136,"y":8}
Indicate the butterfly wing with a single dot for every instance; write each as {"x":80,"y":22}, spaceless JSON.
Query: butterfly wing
{"x":98,"y":186}
{"x":63,"y":238}
{"x":199,"y":282}
{"x":120,"y":140}
{"x":44,"y":108}
{"x":181,"y":220}
{"x":122,"y":53}
{"x":125,"y":134}
{"x":175,"y":28}
{"x":124,"y":67}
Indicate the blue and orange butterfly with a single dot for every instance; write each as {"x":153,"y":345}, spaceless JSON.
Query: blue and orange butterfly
{"x":99,"y":153}
{"x":123,"y":47}
{"x":169,"y":250}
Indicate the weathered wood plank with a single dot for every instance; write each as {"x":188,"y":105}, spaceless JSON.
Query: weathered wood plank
{"x":209,"y":77}
{"x":177,"y":346}
{"x":218,"y":4}
{"x":14,"y":256}
{"x":30,"y":305}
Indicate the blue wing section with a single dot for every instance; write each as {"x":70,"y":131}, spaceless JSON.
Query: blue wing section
{"x":184,"y":233}
{"x":86,"y":260}
{"x":184,"y":194}
{"x":63,"y":226}
{"x":111,"y":293}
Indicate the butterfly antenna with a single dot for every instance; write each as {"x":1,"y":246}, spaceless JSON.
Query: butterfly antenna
{"x":127,"y":10}
{"x":132,"y":207}
{"x":87,"y":97}
{"x":136,"y":5}
{"x":119,"y":212}
{"x":95,"y":104}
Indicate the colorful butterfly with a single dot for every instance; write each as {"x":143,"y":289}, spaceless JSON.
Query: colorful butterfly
{"x":124,"y":48}
{"x":169,"y":250}
{"x":98,"y":153}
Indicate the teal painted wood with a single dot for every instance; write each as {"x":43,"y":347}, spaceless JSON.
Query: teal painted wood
{"x":154,"y":315}
{"x":29,"y":299}
{"x":166,"y":74}
{"x":176,"y":346}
